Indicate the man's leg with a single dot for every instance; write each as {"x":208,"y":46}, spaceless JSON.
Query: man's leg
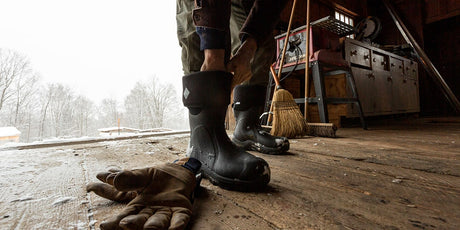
{"x":207,"y":95}
{"x":249,"y":98}
{"x":192,"y":58}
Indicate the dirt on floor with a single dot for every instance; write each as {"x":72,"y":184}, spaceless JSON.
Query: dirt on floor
{"x":396,"y":175}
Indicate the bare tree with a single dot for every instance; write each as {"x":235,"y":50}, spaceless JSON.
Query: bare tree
{"x":25,"y":88}
{"x":46,"y":97}
{"x":13,"y":66}
{"x":109,"y":112}
{"x":135,"y":114}
{"x":82,"y":113}
{"x":148,"y":104}
{"x":57,"y":109}
{"x":160,"y":98}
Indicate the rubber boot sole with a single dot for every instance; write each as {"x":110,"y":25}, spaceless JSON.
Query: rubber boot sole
{"x":235,"y":184}
{"x":251,"y":145}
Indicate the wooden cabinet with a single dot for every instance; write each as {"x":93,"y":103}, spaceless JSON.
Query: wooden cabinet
{"x":386,"y":83}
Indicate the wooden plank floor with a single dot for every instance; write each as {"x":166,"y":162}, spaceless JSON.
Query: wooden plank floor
{"x":397,"y":175}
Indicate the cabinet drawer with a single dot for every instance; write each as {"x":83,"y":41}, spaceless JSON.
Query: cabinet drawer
{"x":364,"y":86}
{"x":413,"y":104}
{"x":396,"y":66}
{"x":410,"y":69}
{"x":379,"y":61}
{"x":358,"y":55}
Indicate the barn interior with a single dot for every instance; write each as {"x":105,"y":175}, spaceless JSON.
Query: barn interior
{"x":401,"y":170}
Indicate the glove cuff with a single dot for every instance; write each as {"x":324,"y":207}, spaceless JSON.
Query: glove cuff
{"x":177,"y":171}
{"x":191,"y":164}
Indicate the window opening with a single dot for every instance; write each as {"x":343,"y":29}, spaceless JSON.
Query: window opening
{"x":346,"y":19}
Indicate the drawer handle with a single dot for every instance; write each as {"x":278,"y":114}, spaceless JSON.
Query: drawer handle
{"x":390,"y":78}
{"x":392,"y":64}
{"x":405,"y":80}
{"x":366,"y":56}
{"x":371,"y":76}
{"x":400,"y":67}
{"x":354,"y":52}
{"x":383,"y":63}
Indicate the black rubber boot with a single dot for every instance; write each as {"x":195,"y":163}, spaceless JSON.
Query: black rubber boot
{"x":207,"y":95}
{"x":248,"y":102}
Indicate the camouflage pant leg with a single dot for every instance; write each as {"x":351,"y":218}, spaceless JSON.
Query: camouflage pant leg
{"x":192,"y":57}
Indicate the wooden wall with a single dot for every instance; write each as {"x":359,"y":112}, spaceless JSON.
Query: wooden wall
{"x":437,"y":10}
{"x":442,"y":45}
{"x":411,"y":12}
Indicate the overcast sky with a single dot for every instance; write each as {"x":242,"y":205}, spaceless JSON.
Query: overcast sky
{"x":100,"y":48}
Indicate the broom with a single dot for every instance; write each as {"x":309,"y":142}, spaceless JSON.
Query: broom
{"x":314,"y":129}
{"x":287,"y":118}
{"x":287,"y":121}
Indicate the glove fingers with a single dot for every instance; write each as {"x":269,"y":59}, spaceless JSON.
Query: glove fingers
{"x":113,"y":222}
{"x":133,"y":179}
{"x":160,"y":220}
{"x":107,"y":177}
{"x":109,"y":192}
{"x":180,"y":218}
{"x":137,"y":221}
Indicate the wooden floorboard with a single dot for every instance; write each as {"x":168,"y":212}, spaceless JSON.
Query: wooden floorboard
{"x":400,"y":174}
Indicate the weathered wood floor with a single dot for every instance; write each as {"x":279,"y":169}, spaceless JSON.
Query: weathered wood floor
{"x":397,"y":175}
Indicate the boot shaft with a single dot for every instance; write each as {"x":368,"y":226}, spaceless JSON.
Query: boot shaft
{"x":248,"y":104}
{"x":207,"y":95}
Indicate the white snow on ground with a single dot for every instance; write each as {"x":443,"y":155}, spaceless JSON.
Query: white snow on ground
{"x":9,"y":132}
{"x":92,"y":223}
{"x":63,"y":200}
{"x":12,"y":145}
{"x":25,"y":198}
{"x":117,"y":128}
{"x":79,"y":226}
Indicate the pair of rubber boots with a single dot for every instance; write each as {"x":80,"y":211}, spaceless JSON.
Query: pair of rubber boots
{"x":224,"y":162}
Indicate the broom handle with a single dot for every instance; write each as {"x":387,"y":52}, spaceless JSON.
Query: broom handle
{"x":286,"y":40}
{"x":277,"y":82}
{"x":307,"y":60}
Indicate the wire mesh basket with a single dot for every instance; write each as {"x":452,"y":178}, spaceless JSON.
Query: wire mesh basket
{"x":334,"y":25}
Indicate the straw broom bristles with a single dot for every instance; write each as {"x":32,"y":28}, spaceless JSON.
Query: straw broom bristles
{"x":288,"y":121}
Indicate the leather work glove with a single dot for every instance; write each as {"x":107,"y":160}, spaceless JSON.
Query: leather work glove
{"x":160,"y":196}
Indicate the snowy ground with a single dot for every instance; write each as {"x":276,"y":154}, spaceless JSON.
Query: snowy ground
{"x":44,"y":188}
{"x":84,"y":140}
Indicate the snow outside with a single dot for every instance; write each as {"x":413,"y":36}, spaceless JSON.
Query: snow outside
{"x":53,"y":110}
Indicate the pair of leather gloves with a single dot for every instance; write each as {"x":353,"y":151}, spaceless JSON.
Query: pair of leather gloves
{"x":159,"y":197}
